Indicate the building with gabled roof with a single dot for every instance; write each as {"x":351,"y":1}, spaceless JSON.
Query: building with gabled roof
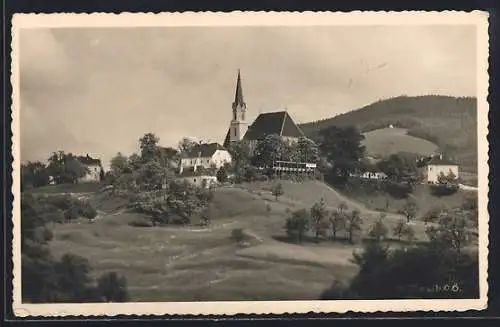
{"x":94,"y":168}
{"x":439,"y":164}
{"x":206,"y":155}
{"x":279,"y":123}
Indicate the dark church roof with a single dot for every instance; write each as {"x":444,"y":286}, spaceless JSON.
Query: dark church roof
{"x":204,"y":150}
{"x":279,"y":123}
{"x":227,"y":139}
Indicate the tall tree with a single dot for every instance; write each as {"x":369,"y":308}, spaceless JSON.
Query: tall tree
{"x":452,"y":232}
{"x":379,"y":230}
{"x":400,"y":169}
{"x":319,"y":213}
{"x":307,"y":150}
{"x":186,"y":144}
{"x":148,"y":145}
{"x":343,"y":149}
{"x":409,"y":210}
{"x":270,"y":149}
{"x":354,"y":223}
{"x":119,"y":164}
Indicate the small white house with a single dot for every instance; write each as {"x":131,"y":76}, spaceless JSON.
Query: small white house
{"x":94,"y":169}
{"x":438,"y":165}
{"x":205,"y":155}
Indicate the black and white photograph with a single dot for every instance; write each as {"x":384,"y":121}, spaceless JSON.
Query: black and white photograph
{"x":209,"y":163}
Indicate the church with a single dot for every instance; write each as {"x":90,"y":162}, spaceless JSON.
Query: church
{"x":278,"y":122}
{"x":269,"y":123}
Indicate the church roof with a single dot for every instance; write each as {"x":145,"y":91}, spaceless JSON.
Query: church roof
{"x":238,"y":96}
{"x":204,"y":150}
{"x":227,"y":139}
{"x":279,"y":123}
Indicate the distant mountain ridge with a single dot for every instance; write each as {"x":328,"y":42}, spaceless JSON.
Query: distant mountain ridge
{"x":449,"y":122}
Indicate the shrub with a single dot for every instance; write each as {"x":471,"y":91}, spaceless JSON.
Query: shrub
{"x":89,"y":212}
{"x":268,"y":208}
{"x":443,"y":189}
{"x":71,"y":213}
{"x":141,"y":223}
{"x":277,"y":190}
{"x":237,"y":235}
{"x":112,"y":288}
{"x":297,"y":225}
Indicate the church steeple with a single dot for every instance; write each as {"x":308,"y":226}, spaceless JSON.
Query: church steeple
{"x":238,"y":96}
{"x":238,"y":125}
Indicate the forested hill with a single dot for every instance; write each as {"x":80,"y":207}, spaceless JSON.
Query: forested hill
{"x":449,"y":122}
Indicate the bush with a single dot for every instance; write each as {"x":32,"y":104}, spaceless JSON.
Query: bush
{"x":237,"y":235}
{"x":112,"y":288}
{"x":297,"y":225}
{"x":72,"y":213}
{"x":141,"y":223}
{"x":443,"y":189}
{"x":89,"y":212}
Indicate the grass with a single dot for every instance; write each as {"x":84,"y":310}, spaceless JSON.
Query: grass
{"x":422,"y":196}
{"x":202,"y":263}
{"x":87,"y":187}
{"x":386,"y":141}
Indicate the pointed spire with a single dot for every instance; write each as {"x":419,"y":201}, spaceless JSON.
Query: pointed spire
{"x":238,"y":97}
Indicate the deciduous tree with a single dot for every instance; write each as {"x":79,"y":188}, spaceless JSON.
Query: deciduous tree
{"x":354,"y":223}
{"x":409,"y":210}
{"x":343,"y":149}
{"x":297,"y":224}
{"x":319,"y":213}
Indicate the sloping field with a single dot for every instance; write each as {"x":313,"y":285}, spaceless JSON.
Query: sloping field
{"x":386,"y":141}
{"x":199,"y":264}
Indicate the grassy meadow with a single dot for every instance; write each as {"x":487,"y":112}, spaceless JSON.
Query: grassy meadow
{"x":197,"y":263}
{"x":386,"y":141}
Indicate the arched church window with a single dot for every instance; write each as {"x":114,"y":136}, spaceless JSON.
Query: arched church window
{"x":234,"y":115}
{"x":243,"y":115}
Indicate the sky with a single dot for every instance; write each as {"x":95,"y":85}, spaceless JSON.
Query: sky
{"x":98,"y":90}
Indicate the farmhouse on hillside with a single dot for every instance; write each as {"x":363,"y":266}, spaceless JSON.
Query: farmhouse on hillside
{"x":94,"y":169}
{"x":200,"y":164}
{"x":438,"y":165}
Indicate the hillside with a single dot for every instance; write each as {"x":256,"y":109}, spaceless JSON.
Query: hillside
{"x":449,"y":122}
{"x":385,"y":141}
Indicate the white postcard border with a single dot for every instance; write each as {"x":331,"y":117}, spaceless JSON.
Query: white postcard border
{"x":480,"y":19}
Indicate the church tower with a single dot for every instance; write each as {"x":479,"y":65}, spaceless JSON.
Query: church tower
{"x":238,"y":125}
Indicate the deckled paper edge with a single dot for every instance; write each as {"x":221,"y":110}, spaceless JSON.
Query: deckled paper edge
{"x":478,"y":18}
